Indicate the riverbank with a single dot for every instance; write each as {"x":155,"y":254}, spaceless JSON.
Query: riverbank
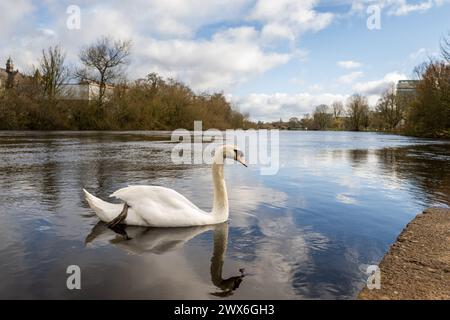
{"x":417,"y":265}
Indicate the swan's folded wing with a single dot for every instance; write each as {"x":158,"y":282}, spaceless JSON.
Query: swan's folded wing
{"x":154,"y":196}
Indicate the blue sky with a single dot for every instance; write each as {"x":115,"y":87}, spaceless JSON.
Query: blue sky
{"x":271,"y":58}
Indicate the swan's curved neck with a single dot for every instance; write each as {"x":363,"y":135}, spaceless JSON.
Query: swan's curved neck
{"x":220,"y":204}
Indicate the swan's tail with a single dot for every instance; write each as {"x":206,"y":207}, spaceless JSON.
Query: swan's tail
{"x":104,"y":210}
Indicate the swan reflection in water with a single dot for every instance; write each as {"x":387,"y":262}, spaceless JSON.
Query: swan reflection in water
{"x":142,"y":240}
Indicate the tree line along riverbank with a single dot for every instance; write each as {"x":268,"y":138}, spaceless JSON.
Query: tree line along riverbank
{"x":45,"y":99}
{"x":39,"y":101}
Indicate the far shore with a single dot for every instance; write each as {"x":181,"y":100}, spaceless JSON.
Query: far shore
{"x":443,"y":138}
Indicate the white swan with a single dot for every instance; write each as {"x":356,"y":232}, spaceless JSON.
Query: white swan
{"x":154,"y":206}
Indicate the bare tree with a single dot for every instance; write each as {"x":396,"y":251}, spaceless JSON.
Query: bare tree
{"x":322,"y":117}
{"x":429,"y":112}
{"x":337,"y":108}
{"x":358,"y":112}
{"x":52,"y":72}
{"x":389,"y":108}
{"x":445,"y":47}
{"x":103,"y":62}
{"x":294,"y":122}
{"x":307,"y":121}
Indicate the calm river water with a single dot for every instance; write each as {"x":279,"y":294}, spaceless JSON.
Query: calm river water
{"x":335,"y":206}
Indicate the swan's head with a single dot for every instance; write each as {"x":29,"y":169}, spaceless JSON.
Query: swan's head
{"x":232,"y":152}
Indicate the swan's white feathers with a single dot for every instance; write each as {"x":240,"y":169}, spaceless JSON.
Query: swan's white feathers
{"x":169,"y":197}
{"x":160,"y":206}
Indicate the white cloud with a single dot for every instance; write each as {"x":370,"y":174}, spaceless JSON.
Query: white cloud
{"x":273,"y":31}
{"x":270,"y":107}
{"x":404,"y":8}
{"x":376,"y":87}
{"x":350,"y":77}
{"x":315,"y":88}
{"x":13,"y":16}
{"x":349,"y":64}
{"x":396,"y":7}
{"x":229,"y":58}
{"x":165,"y":35}
{"x":423,"y":54}
{"x":373,"y":89}
{"x":297,"y":81}
{"x":289,"y":18}
{"x":419,"y":53}
{"x":169,"y":18}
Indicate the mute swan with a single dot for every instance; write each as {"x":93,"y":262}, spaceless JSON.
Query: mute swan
{"x":154,"y":206}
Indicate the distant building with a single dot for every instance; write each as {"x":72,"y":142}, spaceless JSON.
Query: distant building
{"x":407,"y":86}
{"x":8,"y":76}
{"x":85,"y":90}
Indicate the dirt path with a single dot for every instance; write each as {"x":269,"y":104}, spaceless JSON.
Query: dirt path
{"x":417,"y":265}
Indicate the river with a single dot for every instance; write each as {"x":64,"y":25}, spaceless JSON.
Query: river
{"x":336,"y":204}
